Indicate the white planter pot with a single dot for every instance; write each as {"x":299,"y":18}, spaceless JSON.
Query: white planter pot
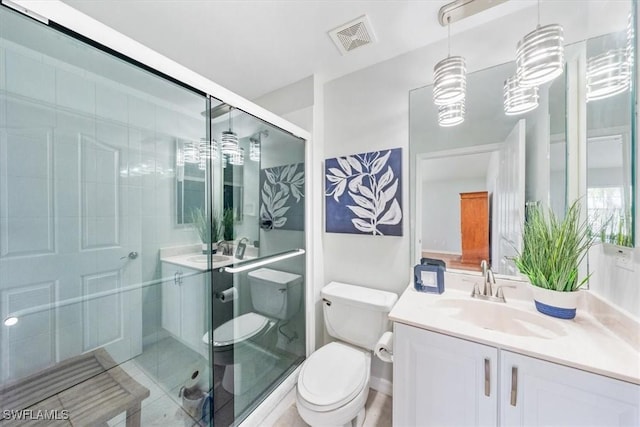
{"x":554,"y":303}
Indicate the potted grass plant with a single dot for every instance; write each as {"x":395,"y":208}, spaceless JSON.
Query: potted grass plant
{"x":552,"y":250}
{"x":209,"y":231}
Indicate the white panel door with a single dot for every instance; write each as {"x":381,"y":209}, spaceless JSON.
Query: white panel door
{"x":64,"y":227}
{"x":509,"y":201}
{"x":539,"y":393}
{"x":442,"y":381}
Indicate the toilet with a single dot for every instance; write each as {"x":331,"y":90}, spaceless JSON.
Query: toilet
{"x":333,"y":383}
{"x":239,"y":343}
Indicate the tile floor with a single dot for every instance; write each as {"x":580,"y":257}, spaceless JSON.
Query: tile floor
{"x":378,"y":413}
{"x":165,"y":365}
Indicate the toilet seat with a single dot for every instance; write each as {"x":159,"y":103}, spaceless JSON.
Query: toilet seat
{"x":237,"y":330}
{"x":333,"y":376}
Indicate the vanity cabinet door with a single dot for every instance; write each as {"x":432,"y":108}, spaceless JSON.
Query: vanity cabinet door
{"x":183,"y":304}
{"x":442,"y":381}
{"x":539,"y":393}
{"x":171,"y":301}
{"x":192,"y":303}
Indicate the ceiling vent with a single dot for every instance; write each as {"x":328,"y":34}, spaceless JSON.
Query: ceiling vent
{"x":353,"y":35}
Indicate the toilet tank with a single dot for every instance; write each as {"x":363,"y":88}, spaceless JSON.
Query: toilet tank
{"x":275,"y":293}
{"x":356,"y":314}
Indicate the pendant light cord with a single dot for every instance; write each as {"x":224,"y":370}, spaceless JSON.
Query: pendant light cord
{"x":449,"y":36}
{"x":538,"y":13}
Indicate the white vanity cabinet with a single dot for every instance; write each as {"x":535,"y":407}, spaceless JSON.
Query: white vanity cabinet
{"x":446,"y":381}
{"x":183,"y":304}
{"x":442,"y":381}
{"x":534,"y":392}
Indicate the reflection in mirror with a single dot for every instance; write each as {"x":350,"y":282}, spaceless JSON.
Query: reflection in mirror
{"x":610,"y":142}
{"x":558,"y":146}
{"x":190,"y":181}
{"x":484,"y":156}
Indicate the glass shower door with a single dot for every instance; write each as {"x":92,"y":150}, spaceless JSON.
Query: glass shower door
{"x":259,"y":298}
{"x":97,"y":282}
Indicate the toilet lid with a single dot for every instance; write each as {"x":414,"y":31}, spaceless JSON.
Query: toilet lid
{"x":333,"y":376}
{"x":239,"y":329}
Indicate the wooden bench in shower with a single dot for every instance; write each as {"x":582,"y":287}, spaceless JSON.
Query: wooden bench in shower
{"x":91,"y":387}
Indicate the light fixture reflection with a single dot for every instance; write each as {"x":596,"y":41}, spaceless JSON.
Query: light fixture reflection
{"x":10,"y":321}
{"x":608,"y":74}
{"x":254,"y":149}
{"x":237,"y":157}
{"x":229,"y":138}
{"x":519,"y":100}
{"x":451,"y":115}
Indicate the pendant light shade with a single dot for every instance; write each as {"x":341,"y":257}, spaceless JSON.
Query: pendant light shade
{"x":540,"y":56}
{"x":229,"y":142}
{"x":519,"y":100}
{"x":229,"y":139}
{"x":190,"y":152}
{"x":608,"y":74}
{"x":451,"y":115}
{"x":254,"y":149}
{"x":449,"y":80}
{"x":237,"y":157}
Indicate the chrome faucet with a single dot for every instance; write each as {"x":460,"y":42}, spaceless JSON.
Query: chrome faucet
{"x":226,"y":249}
{"x":489,"y":281}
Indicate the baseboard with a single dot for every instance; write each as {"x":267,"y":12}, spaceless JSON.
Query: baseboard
{"x":381,"y":385}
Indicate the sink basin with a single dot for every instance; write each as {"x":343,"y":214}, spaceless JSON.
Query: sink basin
{"x":502,"y":318}
{"x":203,"y":258}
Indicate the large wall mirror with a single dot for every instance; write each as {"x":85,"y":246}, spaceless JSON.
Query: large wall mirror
{"x":473,"y":180}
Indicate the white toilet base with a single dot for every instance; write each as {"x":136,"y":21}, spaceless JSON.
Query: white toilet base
{"x":350,"y":415}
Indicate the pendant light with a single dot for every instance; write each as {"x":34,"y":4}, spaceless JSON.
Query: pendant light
{"x":608,"y":74}
{"x":519,"y":100}
{"x":190,"y":152}
{"x":254,"y":148}
{"x":229,"y":139}
{"x":237,"y":157}
{"x":449,"y":76}
{"x":540,"y":55}
{"x":451,"y":115}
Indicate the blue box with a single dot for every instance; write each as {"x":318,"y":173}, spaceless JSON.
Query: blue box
{"x":428,"y":276}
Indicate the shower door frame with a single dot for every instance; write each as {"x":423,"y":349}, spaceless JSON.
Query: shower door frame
{"x":63,"y":17}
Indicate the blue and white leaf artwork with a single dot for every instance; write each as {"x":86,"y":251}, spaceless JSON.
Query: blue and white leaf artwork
{"x":282,"y":197}
{"x":363,"y":193}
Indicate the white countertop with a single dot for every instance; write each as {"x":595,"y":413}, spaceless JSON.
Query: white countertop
{"x":186,"y":260}
{"x":583,"y":343}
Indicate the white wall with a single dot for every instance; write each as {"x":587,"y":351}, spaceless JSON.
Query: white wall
{"x":441,"y":213}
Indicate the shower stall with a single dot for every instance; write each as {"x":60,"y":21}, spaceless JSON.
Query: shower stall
{"x":153,"y":234}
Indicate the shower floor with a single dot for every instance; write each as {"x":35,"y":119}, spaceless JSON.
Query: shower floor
{"x":168,"y":363}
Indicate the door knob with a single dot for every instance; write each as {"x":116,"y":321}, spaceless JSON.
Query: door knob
{"x":131,"y":255}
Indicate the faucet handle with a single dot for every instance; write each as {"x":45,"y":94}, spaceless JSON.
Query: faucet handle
{"x":500,"y":292}
{"x":476,"y":290}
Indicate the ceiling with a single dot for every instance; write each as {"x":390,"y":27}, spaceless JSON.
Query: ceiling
{"x":253,"y":47}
